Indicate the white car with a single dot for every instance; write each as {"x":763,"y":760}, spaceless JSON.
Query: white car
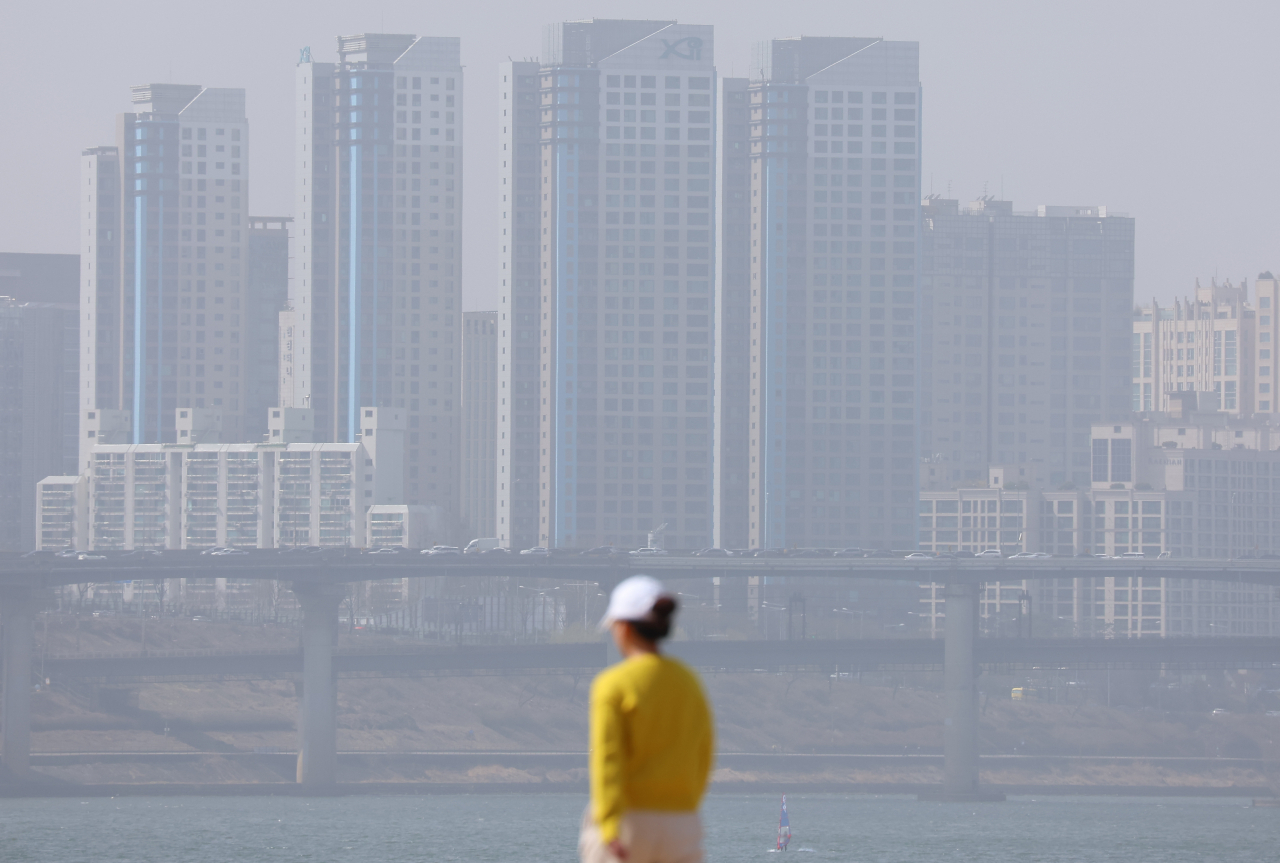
{"x":989,"y":552}
{"x":442,"y":549}
{"x":649,"y":552}
{"x":537,"y":551}
{"x":85,"y":556}
{"x":1024,"y":555}
{"x":918,"y":555}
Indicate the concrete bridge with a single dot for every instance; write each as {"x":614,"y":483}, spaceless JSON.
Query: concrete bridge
{"x":834,"y":656}
{"x":317,"y":580}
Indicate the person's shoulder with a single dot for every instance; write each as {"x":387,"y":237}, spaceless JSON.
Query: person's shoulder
{"x":677,"y":668}
{"x":616,"y":676}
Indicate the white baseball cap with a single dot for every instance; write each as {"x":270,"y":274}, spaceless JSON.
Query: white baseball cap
{"x":633,"y":599}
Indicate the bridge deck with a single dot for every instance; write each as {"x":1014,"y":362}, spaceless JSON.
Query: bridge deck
{"x":728,"y":656}
{"x":347,"y":565}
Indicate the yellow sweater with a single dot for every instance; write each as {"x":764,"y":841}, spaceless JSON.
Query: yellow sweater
{"x":652,"y":739}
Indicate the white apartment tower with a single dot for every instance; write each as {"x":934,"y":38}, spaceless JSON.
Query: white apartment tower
{"x":834,"y":138}
{"x":375,"y":316}
{"x":605,"y":367}
{"x":163,"y":243}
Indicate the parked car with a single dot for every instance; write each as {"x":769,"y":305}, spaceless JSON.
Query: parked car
{"x":537,"y":551}
{"x":989,"y":552}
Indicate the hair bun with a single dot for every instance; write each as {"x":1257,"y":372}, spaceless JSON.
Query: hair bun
{"x":664,"y":607}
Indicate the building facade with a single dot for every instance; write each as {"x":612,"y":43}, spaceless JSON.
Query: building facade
{"x":479,"y":422}
{"x":519,"y":316}
{"x":732,"y":385}
{"x":266,"y":295}
{"x":39,"y":417}
{"x":163,"y":243}
{"x":621,"y":309}
{"x":835,"y":146}
{"x":1190,"y":483}
{"x":1025,"y":344}
{"x":1215,"y":341}
{"x":374,"y":312}
{"x":201,"y":494}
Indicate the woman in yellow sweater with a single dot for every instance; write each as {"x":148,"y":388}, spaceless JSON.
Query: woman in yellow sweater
{"x":652,"y":740}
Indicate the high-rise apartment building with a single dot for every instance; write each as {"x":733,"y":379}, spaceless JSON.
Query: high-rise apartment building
{"x":606,"y":313}
{"x":163,"y":244}
{"x":732,"y":385}
{"x":519,"y":315}
{"x":834,"y":128}
{"x":39,"y":415}
{"x":266,"y":295}
{"x":1213,"y":342}
{"x":1026,"y":339}
{"x":375,"y":315}
{"x":479,"y":422}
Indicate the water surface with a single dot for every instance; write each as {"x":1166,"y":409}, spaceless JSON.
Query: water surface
{"x":543,"y":827}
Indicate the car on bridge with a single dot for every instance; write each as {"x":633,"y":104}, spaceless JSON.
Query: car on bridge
{"x":713,"y":552}
{"x":649,"y":552}
{"x":850,"y":552}
{"x":919,"y":555}
{"x":537,"y":551}
{"x":990,"y":552}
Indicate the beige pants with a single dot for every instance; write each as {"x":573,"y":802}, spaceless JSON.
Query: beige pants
{"x":648,"y":836}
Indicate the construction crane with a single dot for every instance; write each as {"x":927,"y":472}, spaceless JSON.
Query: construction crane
{"x":657,"y":536}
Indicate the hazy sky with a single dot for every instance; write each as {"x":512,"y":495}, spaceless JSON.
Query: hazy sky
{"x":1161,"y":111}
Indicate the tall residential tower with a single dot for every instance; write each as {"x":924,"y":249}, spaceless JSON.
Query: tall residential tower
{"x":608,"y":334}
{"x":375,"y":315}
{"x":162,"y":263}
{"x":1026,"y":340}
{"x":834,"y":127}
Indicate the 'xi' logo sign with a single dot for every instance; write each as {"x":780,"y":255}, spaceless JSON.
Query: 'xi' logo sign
{"x":688,"y":48}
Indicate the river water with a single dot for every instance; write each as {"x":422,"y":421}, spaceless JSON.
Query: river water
{"x":535,"y":828}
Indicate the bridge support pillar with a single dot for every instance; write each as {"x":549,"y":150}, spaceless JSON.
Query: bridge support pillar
{"x":317,"y":714}
{"x":17,"y":609}
{"x":960,"y":681}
